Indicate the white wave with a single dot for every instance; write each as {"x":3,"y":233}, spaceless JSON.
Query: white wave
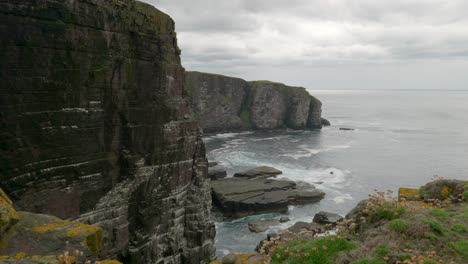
{"x":263,"y":139}
{"x":342,"y":198}
{"x":231,"y":135}
{"x":306,"y":152}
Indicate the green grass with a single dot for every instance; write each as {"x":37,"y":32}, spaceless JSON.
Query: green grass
{"x":459,"y":228}
{"x":399,"y":225}
{"x":439,"y":213}
{"x":403,"y":257}
{"x":435,"y":225}
{"x":388,"y":211}
{"x":461,"y":247}
{"x":318,"y":251}
{"x":431,"y":236}
{"x":381,"y":251}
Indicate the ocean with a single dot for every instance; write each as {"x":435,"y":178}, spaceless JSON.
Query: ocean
{"x":400,"y":138}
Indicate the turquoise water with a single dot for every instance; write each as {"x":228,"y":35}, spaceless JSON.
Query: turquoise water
{"x":401,"y":138}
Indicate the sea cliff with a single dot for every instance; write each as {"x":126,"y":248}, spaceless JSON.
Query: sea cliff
{"x":95,"y":126}
{"x":223,"y":103}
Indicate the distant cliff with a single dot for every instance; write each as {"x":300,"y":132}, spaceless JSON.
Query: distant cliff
{"x":223,"y":103}
{"x":95,"y":126}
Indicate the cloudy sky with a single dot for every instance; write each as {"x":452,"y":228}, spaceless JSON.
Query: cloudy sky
{"x":327,"y":44}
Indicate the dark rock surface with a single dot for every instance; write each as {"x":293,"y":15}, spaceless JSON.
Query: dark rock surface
{"x":284,"y":219}
{"x":217,"y":172}
{"x":262,"y":171}
{"x":262,"y":225}
{"x":223,"y":103}
{"x":357,"y":213}
{"x":304,"y":226}
{"x":96,"y":127}
{"x":326,"y":218}
{"x":212,"y":164}
{"x":346,"y":129}
{"x":237,"y":197}
{"x":325,"y":122}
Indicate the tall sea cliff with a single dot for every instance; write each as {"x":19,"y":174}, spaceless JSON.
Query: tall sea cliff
{"x":95,"y":126}
{"x":223,"y":103}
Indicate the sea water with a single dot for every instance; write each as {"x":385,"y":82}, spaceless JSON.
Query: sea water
{"x":400,"y":138}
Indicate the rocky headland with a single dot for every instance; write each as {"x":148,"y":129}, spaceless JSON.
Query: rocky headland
{"x":223,"y":103}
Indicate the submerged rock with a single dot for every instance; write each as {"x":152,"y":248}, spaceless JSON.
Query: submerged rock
{"x":262,"y":171}
{"x":346,"y":128}
{"x":326,"y":218}
{"x":284,"y":219}
{"x":237,"y":197}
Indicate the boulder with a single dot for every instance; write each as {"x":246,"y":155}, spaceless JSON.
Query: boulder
{"x":357,"y":212}
{"x":216,"y":173}
{"x":325,"y":218}
{"x":284,"y":219}
{"x":304,"y":226}
{"x":262,"y":171}
{"x":324,"y":122}
{"x":442,"y":189}
{"x":238,"y":197}
{"x":229,"y":259}
{"x":262,"y":225}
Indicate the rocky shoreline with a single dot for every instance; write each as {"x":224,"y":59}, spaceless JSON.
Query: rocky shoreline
{"x":443,"y":193}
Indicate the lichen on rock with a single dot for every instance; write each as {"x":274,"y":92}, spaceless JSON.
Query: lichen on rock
{"x":8,"y":214}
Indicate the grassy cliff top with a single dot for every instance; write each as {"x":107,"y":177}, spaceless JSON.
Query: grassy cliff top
{"x":428,"y":225}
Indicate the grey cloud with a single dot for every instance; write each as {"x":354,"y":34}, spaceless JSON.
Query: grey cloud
{"x":255,"y":35}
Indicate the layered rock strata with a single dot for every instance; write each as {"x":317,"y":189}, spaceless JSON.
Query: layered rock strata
{"x":223,"y":103}
{"x":95,"y":126}
{"x":238,"y":197}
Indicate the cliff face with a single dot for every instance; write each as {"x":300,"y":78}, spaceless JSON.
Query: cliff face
{"x":95,"y":126}
{"x":227,"y":103}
